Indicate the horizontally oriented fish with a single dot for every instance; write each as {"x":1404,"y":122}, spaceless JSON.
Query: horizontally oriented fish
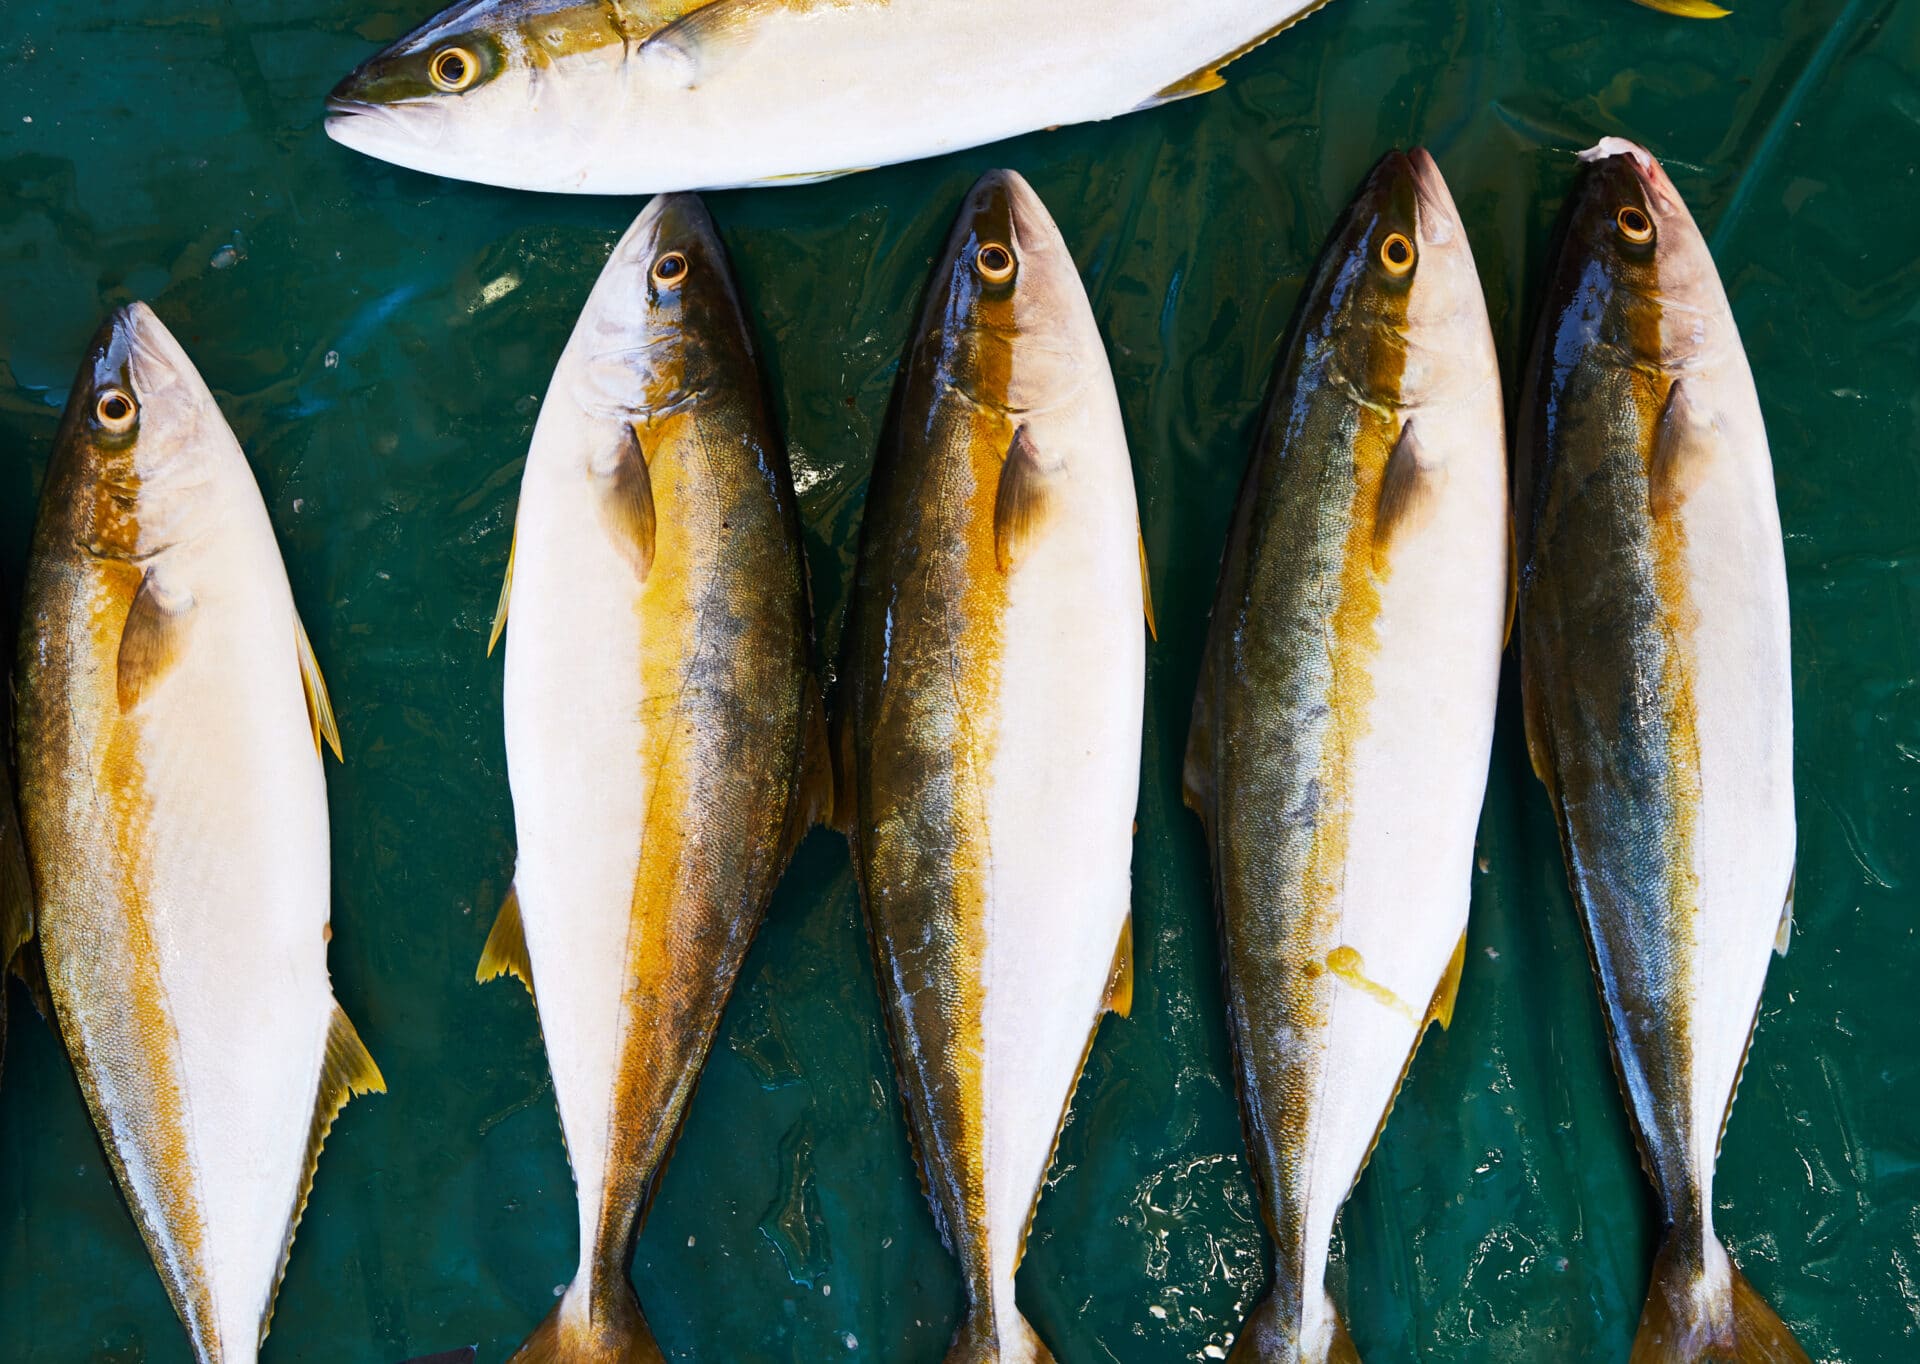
{"x":642,"y":96}
{"x":660,"y":714}
{"x":1658,"y":692}
{"x":171,"y":718}
{"x":1345,"y":711}
{"x":993,"y":676}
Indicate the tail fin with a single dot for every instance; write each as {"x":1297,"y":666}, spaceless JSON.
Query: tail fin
{"x":1697,"y":1314}
{"x":579,"y":1331}
{"x":982,"y":1340}
{"x":1268,"y":1337}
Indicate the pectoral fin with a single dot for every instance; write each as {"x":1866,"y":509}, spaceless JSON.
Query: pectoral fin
{"x":506,"y":951}
{"x":506,"y":593}
{"x":1686,"y":444}
{"x":152,"y":638}
{"x":319,"y":704}
{"x":692,"y":46}
{"x":626,"y":504}
{"x":1021,"y":506}
{"x":1120,"y":983}
{"x":1408,"y":494}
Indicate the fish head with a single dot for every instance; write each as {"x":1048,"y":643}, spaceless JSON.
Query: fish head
{"x":140,"y":430}
{"x":480,"y":79}
{"x":1006,"y":316}
{"x":665,"y":326}
{"x":1629,"y":244}
{"x":1396,"y":308}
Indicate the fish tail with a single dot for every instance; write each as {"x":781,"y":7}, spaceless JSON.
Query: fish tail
{"x":985,"y":1337}
{"x":1701,"y":1308}
{"x":592,"y":1328}
{"x":1273,"y":1336}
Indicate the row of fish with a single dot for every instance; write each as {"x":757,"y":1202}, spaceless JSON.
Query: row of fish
{"x":668,"y":746}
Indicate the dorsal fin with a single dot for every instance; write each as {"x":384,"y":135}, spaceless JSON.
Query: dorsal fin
{"x":319,"y":703}
{"x":506,"y":592}
{"x":1408,"y":487}
{"x":151,"y":640}
{"x":346,"y":1070}
{"x":626,"y":501}
{"x":1020,"y":505}
{"x":506,"y":951}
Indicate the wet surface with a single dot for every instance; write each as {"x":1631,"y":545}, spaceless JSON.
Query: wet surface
{"x":380,"y":342}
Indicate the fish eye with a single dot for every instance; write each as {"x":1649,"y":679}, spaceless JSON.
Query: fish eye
{"x":115,"y":410}
{"x":994,"y":262}
{"x":1396,"y":253}
{"x":453,"y":69}
{"x":670,"y":269}
{"x":1634,"y":225}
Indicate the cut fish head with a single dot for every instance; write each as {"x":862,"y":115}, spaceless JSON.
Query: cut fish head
{"x":1006,"y":318}
{"x":1395,"y":308}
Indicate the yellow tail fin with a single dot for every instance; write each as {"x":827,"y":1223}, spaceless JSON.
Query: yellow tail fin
{"x":1267,"y":1337}
{"x":1688,"y":1320}
{"x":592,"y":1328}
{"x":980,"y":1341}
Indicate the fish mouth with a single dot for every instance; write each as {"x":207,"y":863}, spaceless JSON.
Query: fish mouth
{"x":1439,"y":215}
{"x":1645,"y":165}
{"x":364,"y":125}
{"x":139,"y":345}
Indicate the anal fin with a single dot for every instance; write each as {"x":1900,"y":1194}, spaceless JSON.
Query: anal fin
{"x":1208,"y":77}
{"x":506,"y":951}
{"x":506,"y":593}
{"x":346,"y":1071}
{"x":1447,"y":993}
{"x":1146,"y":588}
{"x":1783,"y":935}
{"x":319,"y":705}
{"x":1120,"y":982}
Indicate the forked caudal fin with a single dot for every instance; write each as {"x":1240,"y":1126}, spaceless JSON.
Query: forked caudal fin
{"x":982,"y":1340}
{"x":1689,"y":1318}
{"x":592,"y":1328}
{"x":1268,"y":1337}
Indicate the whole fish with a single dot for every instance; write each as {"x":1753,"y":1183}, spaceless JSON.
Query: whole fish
{"x":171,"y":718}
{"x":994,"y":673}
{"x":660,"y":716}
{"x":1344,"y":716}
{"x":1658,"y":695}
{"x":644,"y":96}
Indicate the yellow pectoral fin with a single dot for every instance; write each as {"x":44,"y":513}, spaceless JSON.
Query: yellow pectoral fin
{"x":1021,"y":504}
{"x":506,"y":593}
{"x":1687,"y":9}
{"x":1686,"y":445}
{"x":626,"y":504}
{"x":151,"y":640}
{"x":1120,"y":983}
{"x":319,"y":704}
{"x":1447,"y":992}
{"x":506,"y":951}
{"x":1408,"y":494}
{"x":693,"y":45}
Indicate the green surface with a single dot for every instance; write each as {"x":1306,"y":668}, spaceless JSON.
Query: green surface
{"x":380,"y":341}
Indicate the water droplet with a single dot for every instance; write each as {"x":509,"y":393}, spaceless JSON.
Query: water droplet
{"x":853,"y":1341}
{"x":332,"y":360}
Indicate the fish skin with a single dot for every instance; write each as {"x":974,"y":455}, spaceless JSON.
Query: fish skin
{"x":989,"y":730}
{"x":1344,"y":716}
{"x":659,"y":702}
{"x":649,"y":96}
{"x":1658,"y":693}
{"x":178,"y":836}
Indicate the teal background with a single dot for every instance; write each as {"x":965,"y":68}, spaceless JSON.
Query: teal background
{"x":380,"y":341}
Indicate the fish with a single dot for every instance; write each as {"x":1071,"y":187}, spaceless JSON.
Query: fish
{"x":171,"y":722}
{"x":988,"y":732}
{"x":1344,"y":714}
{"x":1687,"y":9}
{"x":666,"y":745}
{"x":651,"y":96}
{"x":1656,"y":679}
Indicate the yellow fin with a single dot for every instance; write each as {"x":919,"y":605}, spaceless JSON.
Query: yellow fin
{"x":506,"y":951}
{"x":1686,"y":9}
{"x":1407,"y":492}
{"x":1146,"y":587}
{"x":1684,"y":1322}
{"x":1513,"y":584}
{"x":1447,"y":993}
{"x":1020,"y":504}
{"x":692,"y":45}
{"x":346,"y":1071}
{"x":841,"y":751}
{"x":1539,"y":744}
{"x":319,"y":704}
{"x":151,"y":639}
{"x":626,"y":501}
{"x":1685,"y":447}
{"x":1120,"y":983}
{"x":813,"y":794}
{"x":1208,"y":77}
{"x":1783,"y":935}
{"x":506,"y":593}
{"x":16,"y":883}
